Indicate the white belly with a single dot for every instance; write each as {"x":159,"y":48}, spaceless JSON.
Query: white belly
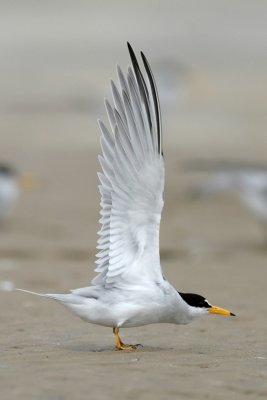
{"x":130,"y":309}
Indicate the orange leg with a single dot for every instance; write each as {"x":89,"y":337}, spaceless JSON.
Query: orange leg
{"x":122,"y":346}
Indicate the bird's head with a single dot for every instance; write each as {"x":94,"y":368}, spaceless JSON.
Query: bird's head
{"x":6,"y":171}
{"x":10,"y":175}
{"x":199,"y":306}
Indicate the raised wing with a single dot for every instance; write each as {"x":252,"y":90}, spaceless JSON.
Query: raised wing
{"x":131,"y":182}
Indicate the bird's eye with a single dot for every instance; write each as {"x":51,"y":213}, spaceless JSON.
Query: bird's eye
{"x":204,"y":304}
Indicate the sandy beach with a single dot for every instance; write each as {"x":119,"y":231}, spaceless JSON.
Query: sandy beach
{"x":57,"y":63}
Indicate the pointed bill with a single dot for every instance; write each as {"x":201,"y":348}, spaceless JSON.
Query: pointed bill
{"x":219,"y":310}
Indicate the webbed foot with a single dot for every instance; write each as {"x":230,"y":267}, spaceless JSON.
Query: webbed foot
{"x":123,"y":346}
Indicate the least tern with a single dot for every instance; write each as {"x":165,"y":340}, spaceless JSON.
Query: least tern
{"x":11,"y":184}
{"x":130,"y":289}
{"x":247,"y":181}
{"x":9,"y":190}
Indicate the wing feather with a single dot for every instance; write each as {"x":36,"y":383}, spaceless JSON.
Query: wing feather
{"x":111,"y":116}
{"x":131,"y":182}
{"x":118,"y":102}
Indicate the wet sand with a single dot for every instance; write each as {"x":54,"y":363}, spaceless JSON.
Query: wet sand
{"x":213,"y":247}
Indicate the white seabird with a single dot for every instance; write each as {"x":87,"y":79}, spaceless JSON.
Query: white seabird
{"x":247,"y":181}
{"x":12,"y":183}
{"x":130,"y":289}
{"x":9,"y":190}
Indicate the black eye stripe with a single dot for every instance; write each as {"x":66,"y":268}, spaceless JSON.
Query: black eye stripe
{"x":195,"y":300}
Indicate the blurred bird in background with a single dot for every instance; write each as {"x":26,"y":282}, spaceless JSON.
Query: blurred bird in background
{"x":11,"y":185}
{"x":247,"y":181}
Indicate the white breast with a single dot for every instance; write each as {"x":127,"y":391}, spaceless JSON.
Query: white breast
{"x":9,"y":192}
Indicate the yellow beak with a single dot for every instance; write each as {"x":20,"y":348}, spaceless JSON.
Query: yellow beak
{"x":219,"y":310}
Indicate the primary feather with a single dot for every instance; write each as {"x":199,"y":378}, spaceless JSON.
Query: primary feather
{"x":131,"y":182}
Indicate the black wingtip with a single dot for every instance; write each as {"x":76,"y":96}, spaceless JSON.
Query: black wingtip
{"x":144,"y":91}
{"x":232,"y":314}
{"x":130,"y":48}
{"x":142,"y":55}
{"x":155,"y":98}
{"x":133,"y":56}
{"x":144,"y":59}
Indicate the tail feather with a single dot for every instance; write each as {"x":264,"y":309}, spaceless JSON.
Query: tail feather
{"x":58,"y":297}
{"x":28,"y":291}
{"x":64,"y":298}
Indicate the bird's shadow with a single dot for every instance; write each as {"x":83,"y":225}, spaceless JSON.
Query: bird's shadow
{"x":92,"y":348}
